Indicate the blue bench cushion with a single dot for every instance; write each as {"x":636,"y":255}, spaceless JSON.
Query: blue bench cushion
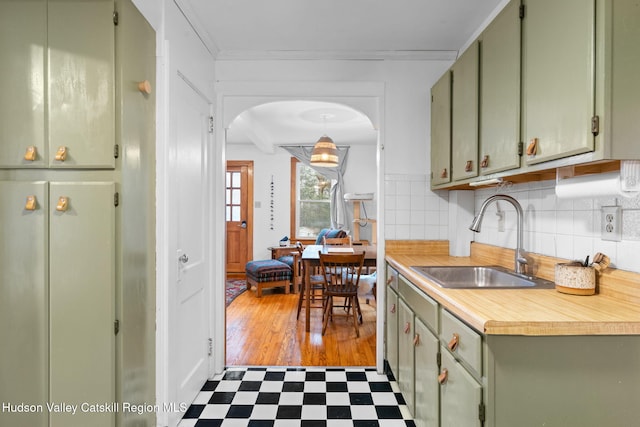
{"x":330,"y":233}
{"x":268,"y":270}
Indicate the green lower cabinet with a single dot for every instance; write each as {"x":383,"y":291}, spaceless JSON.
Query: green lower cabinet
{"x":460,"y":394}
{"x":406,"y":363}
{"x":24,"y":301}
{"x":82,"y":302}
{"x":392,"y":330}
{"x":427,"y":390}
{"x":586,"y":381}
{"x":57,"y":281}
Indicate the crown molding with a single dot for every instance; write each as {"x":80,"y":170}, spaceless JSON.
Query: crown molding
{"x":377,"y":55}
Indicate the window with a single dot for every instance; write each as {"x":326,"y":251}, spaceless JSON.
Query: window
{"x":310,"y":201}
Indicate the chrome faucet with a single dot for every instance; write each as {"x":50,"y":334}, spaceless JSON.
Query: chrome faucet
{"x":520,"y":260}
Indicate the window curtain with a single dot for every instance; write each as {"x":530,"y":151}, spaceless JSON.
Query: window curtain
{"x":337,"y":204}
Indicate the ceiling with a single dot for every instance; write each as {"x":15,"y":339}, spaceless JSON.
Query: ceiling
{"x":329,"y":29}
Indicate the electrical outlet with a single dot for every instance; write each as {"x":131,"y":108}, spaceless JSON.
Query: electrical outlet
{"x":611,"y":223}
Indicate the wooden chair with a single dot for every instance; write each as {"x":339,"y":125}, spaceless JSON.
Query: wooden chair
{"x":316,"y":293}
{"x":341,"y":274}
{"x":337,"y":241}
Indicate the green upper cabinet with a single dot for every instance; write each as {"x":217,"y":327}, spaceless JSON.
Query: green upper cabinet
{"x":441,"y":130}
{"x":464,"y":116}
{"x":23,"y":36}
{"x":81,"y":84}
{"x":623,"y":61}
{"x":57,"y":107}
{"x":500,"y":92}
{"x":558,"y":78}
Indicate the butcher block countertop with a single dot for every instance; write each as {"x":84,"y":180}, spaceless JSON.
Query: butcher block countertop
{"x":613,"y":310}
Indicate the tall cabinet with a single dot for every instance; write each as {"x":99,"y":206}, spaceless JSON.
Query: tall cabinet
{"x":77,"y":211}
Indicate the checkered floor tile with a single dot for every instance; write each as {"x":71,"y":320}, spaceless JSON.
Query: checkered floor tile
{"x":307,"y":397}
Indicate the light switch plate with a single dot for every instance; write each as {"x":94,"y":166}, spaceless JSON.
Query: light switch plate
{"x":611,"y":223}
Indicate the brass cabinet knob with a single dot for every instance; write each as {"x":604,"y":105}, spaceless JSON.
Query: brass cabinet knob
{"x":31,"y":203}
{"x":61,"y":154}
{"x":468,"y":167}
{"x":144,"y":87}
{"x":407,"y":328}
{"x":393,"y":309}
{"x":532,"y":148}
{"x":444,"y":375}
{"x":453,"y":343}
{"x":443,"y":174}
{"x":63,"y":204}
{"x":31,"y":153}
{"x":416,"y":340}
{"x":485,"y":162}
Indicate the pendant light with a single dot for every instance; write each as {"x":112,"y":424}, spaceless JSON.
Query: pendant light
{"x":325,"y":152}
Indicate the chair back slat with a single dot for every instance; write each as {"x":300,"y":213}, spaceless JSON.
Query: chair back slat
{"x":341,"y":272}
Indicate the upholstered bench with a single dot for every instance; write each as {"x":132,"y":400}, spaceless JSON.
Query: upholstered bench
{"x":268,"y":273}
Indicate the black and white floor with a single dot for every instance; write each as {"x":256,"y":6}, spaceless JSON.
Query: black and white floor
{"x":285,"y":396}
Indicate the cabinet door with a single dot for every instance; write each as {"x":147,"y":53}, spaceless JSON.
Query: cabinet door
{"x":23,"y":36}
{"x":427,"y":392}
{"x":441,"y":130}
{"x":82,"y":300}
{"x":392,"y":330}
{"x":405,"y":354}
{"x":500,"y":92}
{"x":81,"y":83}
{"x":558,"y":77}
{"x":23,"y":301}
{"x":464,"y":121}
{"x":625,"y":90}
{"x":460,"y":394}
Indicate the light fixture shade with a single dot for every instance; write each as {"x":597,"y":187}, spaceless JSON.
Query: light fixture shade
{"x":325,"y":153}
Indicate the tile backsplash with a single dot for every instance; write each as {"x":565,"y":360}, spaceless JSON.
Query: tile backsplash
{"x":412,"y":211}
{"x":556,"y":227}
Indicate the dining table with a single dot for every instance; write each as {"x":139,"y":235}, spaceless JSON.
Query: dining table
{"x":311,"y":258}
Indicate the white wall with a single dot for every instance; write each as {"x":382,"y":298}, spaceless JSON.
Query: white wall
{"x":411,"y":210}
{"x":360,"y":176}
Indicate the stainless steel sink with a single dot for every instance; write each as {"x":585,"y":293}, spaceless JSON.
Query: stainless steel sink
{"x":480,"y":277}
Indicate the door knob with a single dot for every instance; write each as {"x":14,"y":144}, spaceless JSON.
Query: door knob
{"x":184,"y":258}
{"x":243,"y":224}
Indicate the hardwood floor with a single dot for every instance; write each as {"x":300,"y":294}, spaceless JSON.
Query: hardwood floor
{"x":264,"y":332}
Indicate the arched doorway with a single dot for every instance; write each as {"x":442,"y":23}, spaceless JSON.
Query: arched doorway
{"x":257,"y":123}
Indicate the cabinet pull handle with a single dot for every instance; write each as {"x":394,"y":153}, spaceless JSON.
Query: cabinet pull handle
{"x":31,"y":153}
{"x":485,"y":162}
{"x":532,"y":148}
{"x":31,"y":203}
{"x":393,"y":309}
{"x":453,"y":344}
{"x":145,"y":87}
{"x":444,"y":374}
{"x":416,"y":340}
{"x":61,"y":154}
{"x":63,"y":204}
{"x":468,"y":167}
{"x":407,"y":328}
{"x":443,"y":174}
{"x":390,"y":280}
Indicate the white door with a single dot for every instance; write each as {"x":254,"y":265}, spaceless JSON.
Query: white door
{"x":189,"y":343}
